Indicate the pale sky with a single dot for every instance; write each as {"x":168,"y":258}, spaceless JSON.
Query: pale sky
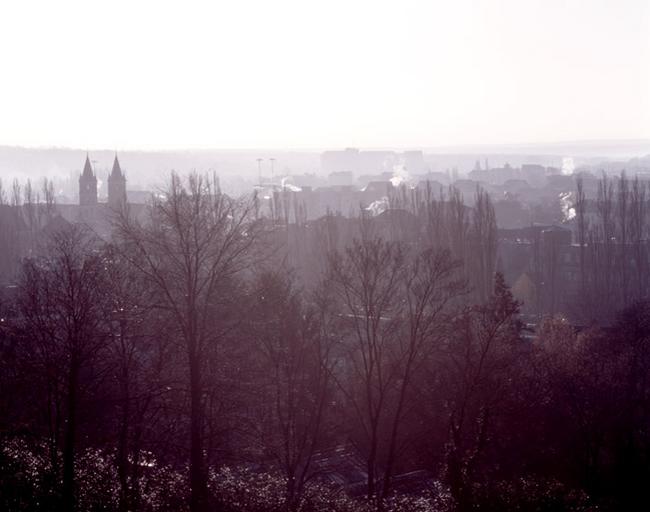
{"x":315,"y":74}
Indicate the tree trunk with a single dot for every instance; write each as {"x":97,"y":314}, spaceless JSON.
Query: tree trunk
{"x":68,"y":498}
{"x":198,"y":486}
{"x":371,"y":466}
{"x":122,"y":448}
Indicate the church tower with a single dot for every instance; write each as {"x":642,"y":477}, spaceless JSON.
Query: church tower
{"x":87,"y":185}
{"x":116,"y":186}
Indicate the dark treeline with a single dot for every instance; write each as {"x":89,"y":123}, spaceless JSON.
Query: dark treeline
{"x":210,"y":358}
{"x":24,"y":211}
{"x":612,"y":230}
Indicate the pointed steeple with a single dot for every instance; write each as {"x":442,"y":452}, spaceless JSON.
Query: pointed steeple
{"x":88,"y":170}
{"x":116,"y":186}
{"x":116,"y":172}
{"x":87,"y":185}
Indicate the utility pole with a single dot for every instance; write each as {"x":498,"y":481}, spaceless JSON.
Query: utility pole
{"x":272,"y":168}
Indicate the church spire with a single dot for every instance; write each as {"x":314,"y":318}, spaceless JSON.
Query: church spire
{"x":116,"y":186}
{"x":116,"y":172}
{"x":88,"y":170}
{"x":87,"y":185}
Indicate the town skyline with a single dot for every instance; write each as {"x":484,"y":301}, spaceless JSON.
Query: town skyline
{"x":325,"y":255}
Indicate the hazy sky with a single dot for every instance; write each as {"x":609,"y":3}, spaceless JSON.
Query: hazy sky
{"x":299,"y":74}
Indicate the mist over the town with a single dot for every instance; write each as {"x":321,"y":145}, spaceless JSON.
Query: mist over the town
{"x":309,"y":256}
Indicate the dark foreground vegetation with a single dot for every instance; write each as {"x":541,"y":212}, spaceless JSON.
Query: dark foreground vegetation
{"x":199,"y":362}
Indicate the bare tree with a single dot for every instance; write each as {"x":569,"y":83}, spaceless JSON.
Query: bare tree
{"x":458,"y":226}
{"x":484,"y":243}
{"x":137,"y":352}
{"x":60,"y":306}
{"x":16,"y":194}
{"x":193,"y":243}
{"x":296,"y":360}
{"x":583,"y":226}
{"x":429,"y":287}
{"x":392,"y":303}
{"x":638,"y":231}
{"x":622,"y":240}
{"x":48,"y":206}
{"x":3,"y":194}
{"x":367,"y":278}
{"x":30,"y":209}
{"x":604,"y":244}
{"x":481,"y":349}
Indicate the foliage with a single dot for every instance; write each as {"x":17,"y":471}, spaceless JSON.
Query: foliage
{"x":186,"y":366}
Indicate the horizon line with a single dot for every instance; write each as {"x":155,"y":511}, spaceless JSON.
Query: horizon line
{"x":311,"y":149}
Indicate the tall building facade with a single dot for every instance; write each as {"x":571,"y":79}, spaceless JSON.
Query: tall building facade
{"x":87,"y":185}
{"x":116,"y":186}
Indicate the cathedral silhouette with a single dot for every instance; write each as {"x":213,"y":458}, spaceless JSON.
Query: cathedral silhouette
{"x":116,"y":186}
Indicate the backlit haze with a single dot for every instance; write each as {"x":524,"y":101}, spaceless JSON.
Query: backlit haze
{"x":302,"y":74}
